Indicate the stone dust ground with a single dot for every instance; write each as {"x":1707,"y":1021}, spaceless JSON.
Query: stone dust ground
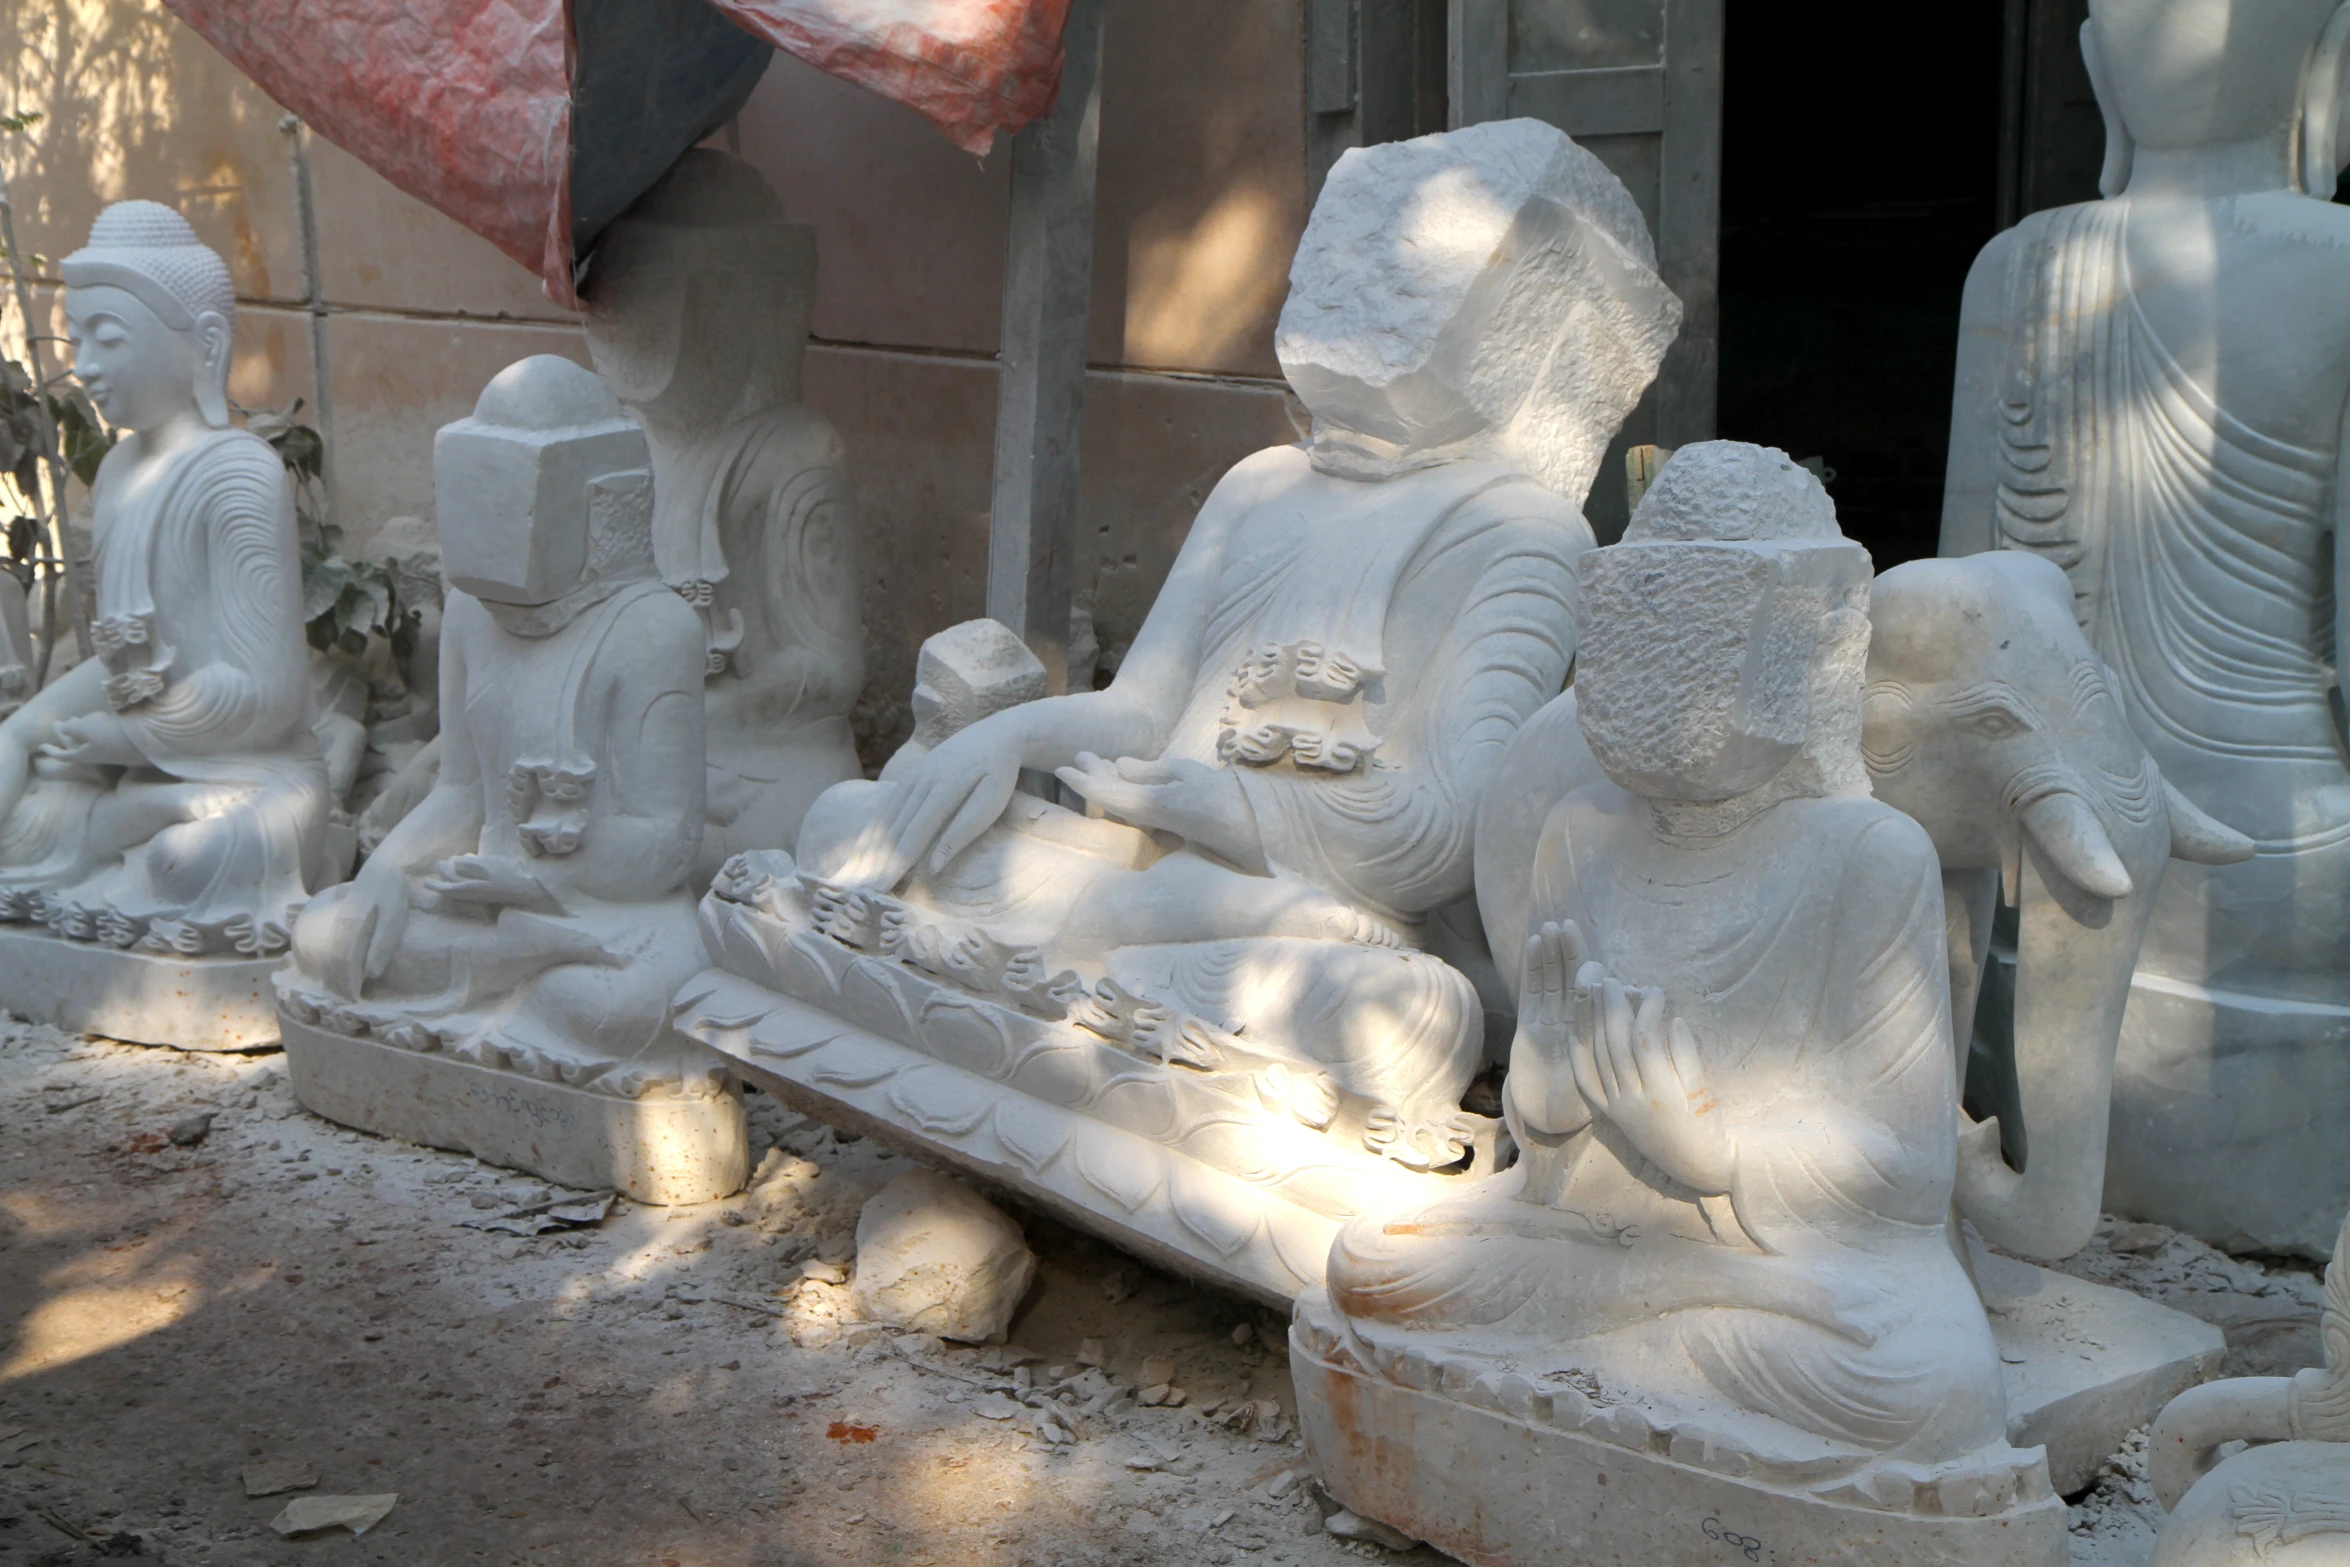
{"x":664,"y":1390}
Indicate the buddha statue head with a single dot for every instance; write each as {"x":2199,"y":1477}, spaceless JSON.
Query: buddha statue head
{"x":544,"y":494}
{"x":2183,"y":74}
{"x":1487,"y":293}
{"x":699,"y":297}
{"x":153,"y":316}
{"x":1724,"y":641}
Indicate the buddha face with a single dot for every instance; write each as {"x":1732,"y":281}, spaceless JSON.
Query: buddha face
{"x":140,"y":372}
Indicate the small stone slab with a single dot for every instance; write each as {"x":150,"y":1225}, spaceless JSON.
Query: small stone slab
{"x":272,"y":1476}
{"x":86,"y":988}
{"x":657,"y":1149}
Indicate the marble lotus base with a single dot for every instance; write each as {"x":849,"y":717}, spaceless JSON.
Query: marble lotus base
{"x":1500,"y":1473}
{"x":658,"y":1149}
{"x":89,"y":988}
{"x":1227,"y":1193}
{"x":1495,"y":1470}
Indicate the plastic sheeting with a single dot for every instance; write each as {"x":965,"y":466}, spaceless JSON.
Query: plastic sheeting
{"x":535,"y":122}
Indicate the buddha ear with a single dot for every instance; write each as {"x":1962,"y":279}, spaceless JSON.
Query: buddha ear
{"x":213,"y":340}
{"x":2322,"y":150}
{"x":2121,"y":151}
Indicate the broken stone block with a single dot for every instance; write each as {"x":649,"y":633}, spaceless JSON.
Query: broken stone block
{"x":935,"y":1257}
{"x":1487,"y":293}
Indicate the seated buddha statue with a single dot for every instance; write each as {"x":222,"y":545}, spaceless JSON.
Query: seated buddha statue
{"x":1731,"y":1083}
{"x":531,"y":916}
{"x":697,"y":319}
{"x":2151,"y":393}
{"x":1353,"y":629}
{"x":167,"y":793}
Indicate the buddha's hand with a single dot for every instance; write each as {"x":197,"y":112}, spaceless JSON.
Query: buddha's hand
{"x":93,"y":740}
{"x":946,"y":799}
{"x":1202,"y":805}
{"x":491,"y":881}
{"x":1543,"y":1097}
{"x":1642,"y":1071}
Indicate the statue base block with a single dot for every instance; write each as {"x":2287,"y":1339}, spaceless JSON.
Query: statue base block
{"x":1501,"y":1489}
{"x":659,"y":1149}
{"x":2086,"y":1364}
{"x":190,"y":1003}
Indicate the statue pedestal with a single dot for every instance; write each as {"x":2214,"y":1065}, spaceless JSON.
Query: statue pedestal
{"x":2223,"y":1116}
{"x":86,"y":988}
{"x":1501,"y":1473}
{"x":1499,"y":1470}
{"x":660,"y":1149}
{"x":1200,"y":1171}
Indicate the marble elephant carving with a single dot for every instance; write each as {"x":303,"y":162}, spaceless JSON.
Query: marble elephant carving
{"x":1989,"y":719}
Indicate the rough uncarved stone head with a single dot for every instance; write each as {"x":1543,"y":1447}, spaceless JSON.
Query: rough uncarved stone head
{"x":1725,"y":636}
{"x":1489,"y":293}
{"x":700,"y":295}
{"x":967,"y":672}
{"x":543,"y":488}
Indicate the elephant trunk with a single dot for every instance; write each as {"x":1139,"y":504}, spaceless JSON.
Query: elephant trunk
{"x":2074,"y":956}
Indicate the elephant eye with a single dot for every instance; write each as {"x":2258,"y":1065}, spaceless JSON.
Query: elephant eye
{"x":1996,"y":725}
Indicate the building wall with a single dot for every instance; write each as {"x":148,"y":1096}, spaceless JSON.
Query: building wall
{"x":1201,"y":200}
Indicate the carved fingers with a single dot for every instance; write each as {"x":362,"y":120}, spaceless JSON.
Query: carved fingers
{"x":1642,"y":1070}
{"x":953,"y":795}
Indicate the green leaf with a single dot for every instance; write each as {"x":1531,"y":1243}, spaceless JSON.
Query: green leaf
{"x":322,"y":584}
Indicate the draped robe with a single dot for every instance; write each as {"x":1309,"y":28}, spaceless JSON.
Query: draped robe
{"x":1816,"y":1309}
{"x":203,"y":845}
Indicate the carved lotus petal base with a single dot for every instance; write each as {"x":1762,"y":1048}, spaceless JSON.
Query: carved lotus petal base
{"x":1499,"y":1474}
{"x":657,"y":1148}
{"x":89,"y":988}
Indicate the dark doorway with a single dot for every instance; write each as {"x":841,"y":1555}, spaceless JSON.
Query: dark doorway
{"x":1861,"y":173}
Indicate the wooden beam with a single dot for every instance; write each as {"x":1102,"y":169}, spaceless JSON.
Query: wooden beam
{"x":1689,"y":219}
{"x":1040,"y":378}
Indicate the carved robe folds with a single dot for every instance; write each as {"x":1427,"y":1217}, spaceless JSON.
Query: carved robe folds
{"x":497,"y":977}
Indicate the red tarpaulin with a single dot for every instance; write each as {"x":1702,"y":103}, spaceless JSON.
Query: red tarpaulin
{"x":535,"y":122}
{"x":973,"y":67}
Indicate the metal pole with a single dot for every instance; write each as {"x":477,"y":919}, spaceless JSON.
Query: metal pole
{"x":1040,"y":382}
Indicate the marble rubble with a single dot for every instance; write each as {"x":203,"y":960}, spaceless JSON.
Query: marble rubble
{"x":497,"y":977}
{"x":1718,"y":1294}
{"x":2284,"y":1501}
{"x":698,"y":308}
{"x":935,"y":1257}
{"x":1195,"y":1017}
{"x":2150,"y":394}
{"x":164,"y":803}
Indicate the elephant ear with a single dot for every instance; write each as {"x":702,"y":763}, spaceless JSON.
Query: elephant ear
{"x":2198,"y":838}
{"x":2076,"y":845}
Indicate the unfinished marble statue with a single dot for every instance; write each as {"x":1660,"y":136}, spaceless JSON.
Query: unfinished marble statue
{"x":2284,"y":1501}
{"x":2151,"y":392}
{"x":1198,"y":1016}
{"x":698,"y":306}
{"x":163,"y":803}
{"x":1718,"y":1287}
{"x":497,"y":977}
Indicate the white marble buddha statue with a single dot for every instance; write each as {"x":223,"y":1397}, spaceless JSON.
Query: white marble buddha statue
{"x":167,"y":794}
{"x":698,"y":305}
{"x":2151,"y":393}
{"x":532,"y":914}
{"x":1354,"y":628}
{"x":1732,"y":1083}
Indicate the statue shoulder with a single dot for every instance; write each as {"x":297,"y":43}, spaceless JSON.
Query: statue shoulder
{"x":662,"y":624}
{"x":1527,"y":514}
{"x":1876,"y":832}
{"x":791,"y":438}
